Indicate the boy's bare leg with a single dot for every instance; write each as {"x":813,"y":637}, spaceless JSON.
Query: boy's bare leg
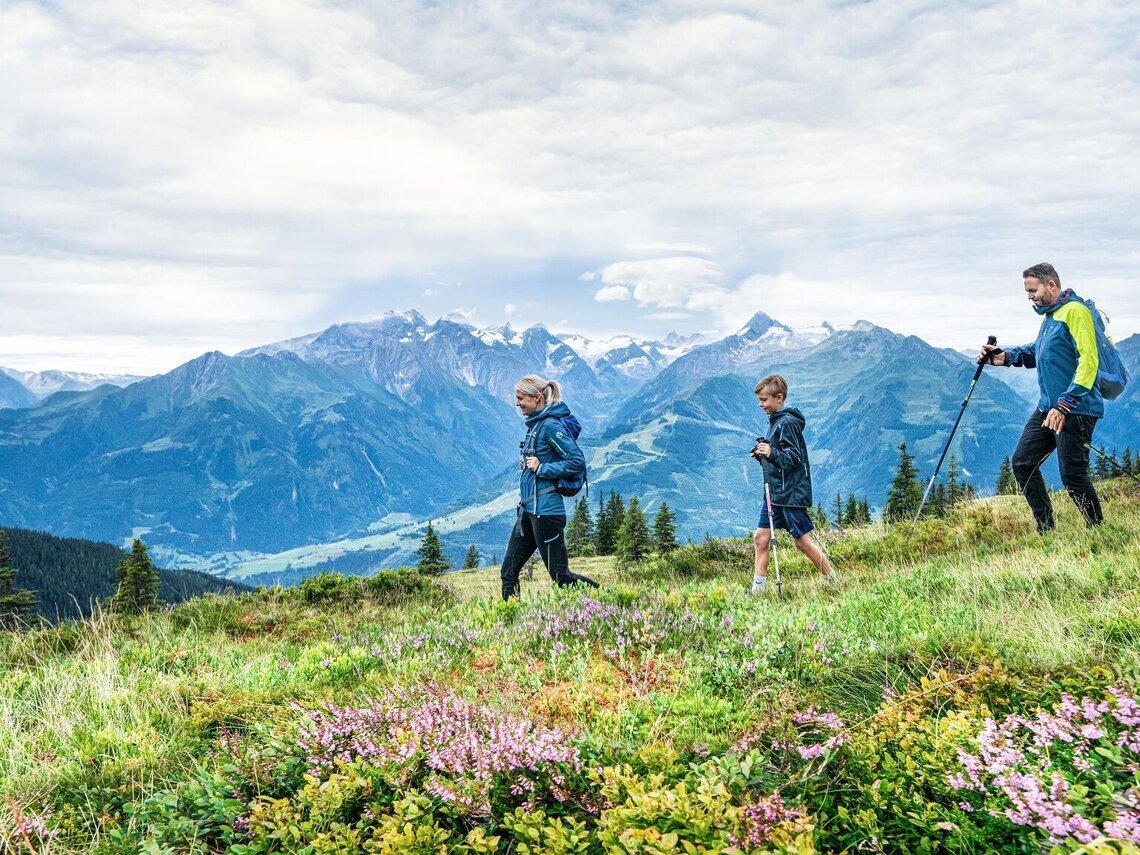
{"x":761,"y":539}
{"x":810,"y":548}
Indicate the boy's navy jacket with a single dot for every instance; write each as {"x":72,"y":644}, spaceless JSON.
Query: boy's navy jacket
{"x":787,"y":471}
{"x":1065,"y":356}
{"x":558,"y":457}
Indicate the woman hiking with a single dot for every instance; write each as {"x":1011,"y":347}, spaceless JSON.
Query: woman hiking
{"x":549,"y":453}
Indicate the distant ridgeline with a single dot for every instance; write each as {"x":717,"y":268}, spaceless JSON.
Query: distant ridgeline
{"x":69,"y":574}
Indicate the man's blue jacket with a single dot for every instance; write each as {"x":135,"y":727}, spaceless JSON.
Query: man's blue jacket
{"x":1065,"y":357}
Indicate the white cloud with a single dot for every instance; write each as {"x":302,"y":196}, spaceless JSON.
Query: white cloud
{"x":285,"y":153}
{"x":612,"y":293}
{"x":509,"y":309}
{"x":668,"y":282}
{"x":670,"y":247}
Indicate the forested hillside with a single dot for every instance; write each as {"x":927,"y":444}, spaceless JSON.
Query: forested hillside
{"x":69,"y":574}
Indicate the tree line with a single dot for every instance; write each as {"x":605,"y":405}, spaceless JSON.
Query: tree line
{"x":905,"y":494}
{"x":55,"y":578}
{"x":620,"y":529}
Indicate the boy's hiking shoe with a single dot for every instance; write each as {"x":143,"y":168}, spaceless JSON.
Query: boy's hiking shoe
{"x":831,"y":580}
{"x":758,"y":583}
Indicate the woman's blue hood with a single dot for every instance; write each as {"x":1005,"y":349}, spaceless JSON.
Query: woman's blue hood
{"x":557,"y":411}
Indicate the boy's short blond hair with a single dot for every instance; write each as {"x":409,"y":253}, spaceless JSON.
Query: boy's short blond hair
{"x":773,"y":384}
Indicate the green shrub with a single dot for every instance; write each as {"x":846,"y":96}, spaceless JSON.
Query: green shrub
{"x":330,"y":588}
{"x":406,"y":585}
{"x":212,"y":612}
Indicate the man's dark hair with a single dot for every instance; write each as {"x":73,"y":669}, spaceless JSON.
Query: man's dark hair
{"x":1043,"y":271}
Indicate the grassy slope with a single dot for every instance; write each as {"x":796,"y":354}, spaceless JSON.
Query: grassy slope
{"x":108,"y":712}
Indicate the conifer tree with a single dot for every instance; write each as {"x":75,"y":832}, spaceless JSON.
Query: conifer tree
{"x":906,"y":493}
{"x":432,"y":560}
{"x":608,"y":534}
{"x":471,"y":559}
{"x":138,"y":583}
{"x":955,"y":490}
{"x":1126,"y":461}
{"x":1006,"y":482}
{"x":1101,"y":469}
{"x":851,"y":511}
{"x":15,"y":603}
{"x":938,"y":501}
{"x":633,"y":542}
{"x":837,"y":511}
{"x":818,"y":516}
{"x":580,"y":530}
{"x":601,"y":527}
{"x":665,"y":530}
{"x":864,"y":511}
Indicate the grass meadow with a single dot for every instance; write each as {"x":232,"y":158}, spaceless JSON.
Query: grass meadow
{"x":967,"y":687}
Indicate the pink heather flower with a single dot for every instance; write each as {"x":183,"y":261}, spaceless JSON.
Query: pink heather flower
{"x":762,"y":818}
{"x":965,"y":807}
{"x":466,"y":746}
{"x":28,"y":826}
{"x":1126,"y":710}
{"x":1019,"y":769}
{"x":1126,"y":826}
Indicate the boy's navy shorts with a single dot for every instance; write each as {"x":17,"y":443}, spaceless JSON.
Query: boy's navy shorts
{"x":795,"y":521}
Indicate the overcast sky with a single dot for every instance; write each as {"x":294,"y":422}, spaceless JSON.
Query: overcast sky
{"x":178,"y":177}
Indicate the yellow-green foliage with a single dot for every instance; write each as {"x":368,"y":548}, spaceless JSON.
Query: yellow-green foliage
{"x":678,"y":689}
{"x":647,"y":814}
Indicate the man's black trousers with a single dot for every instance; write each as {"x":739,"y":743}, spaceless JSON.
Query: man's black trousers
{"x":1071,"y":444}
{"x":545,"y":534}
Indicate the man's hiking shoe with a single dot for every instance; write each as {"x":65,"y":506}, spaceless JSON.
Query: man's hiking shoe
{"x":758,"y":583}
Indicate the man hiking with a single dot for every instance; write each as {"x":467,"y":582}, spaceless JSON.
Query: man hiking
{"x":1065,"y":356}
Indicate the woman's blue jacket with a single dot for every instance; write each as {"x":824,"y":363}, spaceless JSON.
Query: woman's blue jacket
{"x":548,"y":439}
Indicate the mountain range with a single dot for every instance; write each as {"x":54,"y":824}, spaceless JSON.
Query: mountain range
{"x":36,"y":385}
{"x":334,"y":449}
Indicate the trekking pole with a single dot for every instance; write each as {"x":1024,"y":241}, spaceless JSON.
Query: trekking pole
{"x":772,"y":540}
{"x":992,"y":340}
{"x":1112,"y":460}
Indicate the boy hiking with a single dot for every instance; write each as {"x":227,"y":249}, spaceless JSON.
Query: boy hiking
{"x":783,"y":454}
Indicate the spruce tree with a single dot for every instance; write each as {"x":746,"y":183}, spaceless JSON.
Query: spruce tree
{"x":851,"y":511}
{"x":837,"y":511}
{"x":938,"y":503}
{"x":471,"y":559}
{"x":955,"y":490}
{"x":608,"y":534}
{"x":1126,"y":461}
{"x":15,"y":603}
{"x":601,"y":527}
{"x":865,"y":511}
{"x":138,"y":583}
{"x":580,"y":530}
{"x":1006,"y":482}
{"x":906,"y":493}
{"x":818,"y":516}
{"x":633,"y":542}
{"x":1101,"y":469}
{"x":665,"y":530}
{"x":432,"y":560}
